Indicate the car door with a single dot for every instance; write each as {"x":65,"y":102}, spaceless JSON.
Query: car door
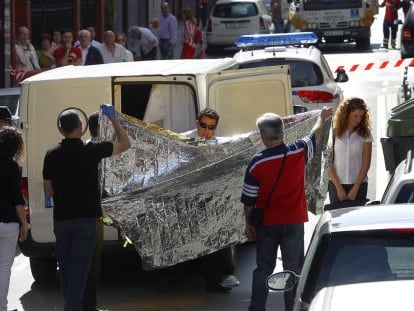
{"x":242,"y":95}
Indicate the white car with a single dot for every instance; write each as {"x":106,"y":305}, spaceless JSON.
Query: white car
{"x":230,"y":19}
{"x":313,"y":84}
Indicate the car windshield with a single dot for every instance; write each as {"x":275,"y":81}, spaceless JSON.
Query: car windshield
{"x":406,"y":194}
{"x":303,"y":73}
{"x":364,"y":256}
{"x":235,"y":10}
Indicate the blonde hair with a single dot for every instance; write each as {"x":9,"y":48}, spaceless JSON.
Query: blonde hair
{"x":188,"y":15}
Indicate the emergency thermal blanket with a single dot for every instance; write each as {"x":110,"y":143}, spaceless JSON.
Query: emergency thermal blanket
{"x":177,"y":201}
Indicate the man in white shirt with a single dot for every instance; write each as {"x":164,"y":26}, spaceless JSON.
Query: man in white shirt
{"x":111,"y":51}
{"x":143,"y":40}
{"x":26,"y":58}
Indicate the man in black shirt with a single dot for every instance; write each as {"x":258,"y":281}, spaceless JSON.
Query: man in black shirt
{"x":70,"y":176}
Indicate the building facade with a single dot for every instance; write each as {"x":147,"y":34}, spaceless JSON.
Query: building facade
{"x":43,"y":16}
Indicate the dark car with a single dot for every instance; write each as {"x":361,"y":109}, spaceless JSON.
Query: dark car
{"x":407,"y":34}
{"x":352,"y":246}
{"x":9,"y":97}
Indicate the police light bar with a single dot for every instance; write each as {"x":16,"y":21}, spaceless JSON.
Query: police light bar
{"x":278,"y":39}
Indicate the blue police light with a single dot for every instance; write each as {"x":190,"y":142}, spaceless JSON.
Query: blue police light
{"x":278,"y":39}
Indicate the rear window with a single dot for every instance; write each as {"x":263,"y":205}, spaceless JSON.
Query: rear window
{"x":11,"y":101}
{"x":303,"y":73}
{"x":356,"y":257}
{"x":406,"y":194}
{"x":235,"y":10}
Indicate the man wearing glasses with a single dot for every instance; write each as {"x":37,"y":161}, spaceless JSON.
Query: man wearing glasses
{"x":213,"y":266}
{"x":206,"y":125}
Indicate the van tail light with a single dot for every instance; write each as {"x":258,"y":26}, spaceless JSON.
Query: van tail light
{"x":209,"y":28}
{"x":406,"y":34}
{"x":25,"y":193}
{"x":262,"y":24}
{"x":315,"y":96}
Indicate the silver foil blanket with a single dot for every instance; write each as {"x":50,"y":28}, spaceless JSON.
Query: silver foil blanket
{"x":177,"y":201}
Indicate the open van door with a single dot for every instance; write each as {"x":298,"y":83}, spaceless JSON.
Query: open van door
{"x":240,"y":96}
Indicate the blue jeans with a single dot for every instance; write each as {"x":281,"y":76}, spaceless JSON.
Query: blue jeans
{"x":75,"y":242}
{"x":166,"y":49}
{"x":290,"y":239}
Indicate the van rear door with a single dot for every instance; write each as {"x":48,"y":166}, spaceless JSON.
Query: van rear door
{"x":240,"y":96}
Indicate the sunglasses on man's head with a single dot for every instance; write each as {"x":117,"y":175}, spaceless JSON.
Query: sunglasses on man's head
{"x":205,"y":126}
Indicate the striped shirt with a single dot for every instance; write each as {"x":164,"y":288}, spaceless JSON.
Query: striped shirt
{"x":288,"y":202}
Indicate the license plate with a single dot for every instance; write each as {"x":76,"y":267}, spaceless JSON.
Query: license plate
{"x":333,"y":33}
{"x":233,"y":25}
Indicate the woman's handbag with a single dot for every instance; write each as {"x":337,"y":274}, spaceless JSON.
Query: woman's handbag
{"x":256,"y":215}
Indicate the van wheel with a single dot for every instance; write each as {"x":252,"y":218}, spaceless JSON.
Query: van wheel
{"x":43,"y":268}
{"x":363,"y":43}
{"x":229,"y":259}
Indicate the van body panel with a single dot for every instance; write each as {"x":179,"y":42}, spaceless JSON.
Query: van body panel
{"x":187,"y":86}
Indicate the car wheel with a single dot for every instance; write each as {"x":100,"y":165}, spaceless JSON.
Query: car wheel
{"x":363,"y":43}
{"x":43,"y":268}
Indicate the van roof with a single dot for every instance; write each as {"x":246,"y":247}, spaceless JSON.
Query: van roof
{"x":140,"y":68}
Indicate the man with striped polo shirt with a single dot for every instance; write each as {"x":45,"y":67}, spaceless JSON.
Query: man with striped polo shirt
{"x":284,"y":202}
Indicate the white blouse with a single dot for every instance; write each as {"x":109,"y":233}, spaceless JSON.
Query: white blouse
{"x":348,"y":156}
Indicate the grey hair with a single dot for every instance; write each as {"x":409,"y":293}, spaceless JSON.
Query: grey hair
{"x":134,"y":34}
{"x":270,"y":125}
{"x":85,"y":31}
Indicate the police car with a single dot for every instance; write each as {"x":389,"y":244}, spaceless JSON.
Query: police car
{"x":313,"y":84}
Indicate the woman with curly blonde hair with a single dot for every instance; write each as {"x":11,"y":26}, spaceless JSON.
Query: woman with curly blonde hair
{"x":352,"y":148}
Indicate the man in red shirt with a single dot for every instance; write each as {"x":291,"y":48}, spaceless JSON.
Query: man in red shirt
{"x":67,"y":54}
{"x":284,"y":202}
{"x":390,"y":21}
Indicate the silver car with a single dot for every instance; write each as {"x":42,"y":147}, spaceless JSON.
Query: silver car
{"x":352,"y":246}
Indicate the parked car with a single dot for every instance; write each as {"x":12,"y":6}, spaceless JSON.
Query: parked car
{"x":10,"y":97}
{"x":400,"y":188}
{"x":354,"y":245}
{"x":230,"y":19}
{"x":378,"y":296}
{"x":313,"y":84}
{"x":407,"y":35}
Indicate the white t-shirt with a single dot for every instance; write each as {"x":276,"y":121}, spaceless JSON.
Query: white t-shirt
{"x":348,"y":156}
{"x":118,"y":56}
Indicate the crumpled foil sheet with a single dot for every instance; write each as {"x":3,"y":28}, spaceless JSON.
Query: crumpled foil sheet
{"x":177,"y":201}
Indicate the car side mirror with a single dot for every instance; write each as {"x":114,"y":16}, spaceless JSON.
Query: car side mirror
{"x":282,"y":281}
{"x":341,"y":76}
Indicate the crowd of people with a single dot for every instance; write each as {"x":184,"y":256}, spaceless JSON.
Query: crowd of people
{"x":61,"y":48}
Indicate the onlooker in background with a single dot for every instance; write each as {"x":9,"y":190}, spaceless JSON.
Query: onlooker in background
{"x":56,"y":39}
{"x":94,"y":43}
{"x":67,"y":54}
{"x":390,"y":21}
{"x":202,"y":12}
{"x":282,"y":203}
{"x":90,"y":54}
{"x":111,"y":51}
{"x":143,"y":42}
{"x":352,"y":147}
{"x":122,"y":39}
{"x":189,"y":30}
{"x":70,"y":176}
{"x":13,"y":223}
{"x":45,"y":54}
{"x":26,"y":57}
{"x":167,"y":32}
{"x":277,"y":16}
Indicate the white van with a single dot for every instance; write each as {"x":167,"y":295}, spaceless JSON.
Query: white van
{"x":184,"y":87}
